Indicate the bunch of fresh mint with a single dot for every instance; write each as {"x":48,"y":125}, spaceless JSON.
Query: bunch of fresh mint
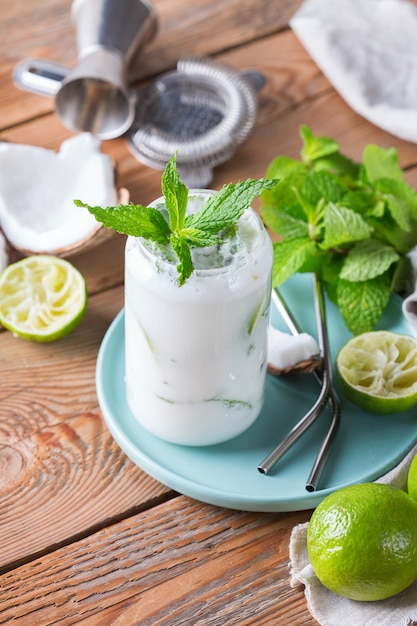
{"x":352,"y":224}
{"x":182,"y":232}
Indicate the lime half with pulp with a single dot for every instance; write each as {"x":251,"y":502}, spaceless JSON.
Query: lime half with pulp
{"x":378,"y":371}
{"x":42,"y":298}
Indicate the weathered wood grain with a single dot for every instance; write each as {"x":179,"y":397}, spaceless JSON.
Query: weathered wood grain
{"x":61,"y":472}
{"x":181,"y":563}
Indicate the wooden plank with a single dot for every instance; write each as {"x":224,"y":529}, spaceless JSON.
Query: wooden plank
{"x":207,"y":28}
{"x":61,"y":472}
{"x":181,"y":562}
{"x":29,"y":30}
{"x":103,"y":265}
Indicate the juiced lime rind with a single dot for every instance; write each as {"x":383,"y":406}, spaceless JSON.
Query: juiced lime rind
{"x":362,"y":541}
{"x":42,"y":298}
{"x":412,"y":478}
{"x":378,"y":371}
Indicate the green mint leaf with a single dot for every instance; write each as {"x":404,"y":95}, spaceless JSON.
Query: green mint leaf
{"x":368,"y":259}
{"x":330,"y":268}
{"x":339,"y":165}
{"x":381,"y":163}
{"x":401,"y":200}
{"x":132,"y":219}
{"x":324,"y":185}
{"x":227,"y":205}
{"x":175,"y":194}
{"x":363,"y":201}
{"x":280,"y":169}
{"x":399,"y":211}
{"x":198,"y":238}
{"x":309,"y":208}
{"x":362,"y":304}
{"x":316,"y":147}
{"x":317,"y":262}
{"x":289,"y":258}
{"x":377,"y":210}
{"x":284,"y":224}
{"x":343,"y":226}
{"x":283,"y":166}
{"x":182,"y":250}
{"x":399,"y":239}
{"x":284,"y":195}
{"x":401,"y":282}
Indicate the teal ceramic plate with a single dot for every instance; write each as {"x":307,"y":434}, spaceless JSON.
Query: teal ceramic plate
{"x":366,"y":446}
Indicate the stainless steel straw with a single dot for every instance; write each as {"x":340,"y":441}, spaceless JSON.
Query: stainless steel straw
{"x":326,"y":392}
{"x":321,"y":459}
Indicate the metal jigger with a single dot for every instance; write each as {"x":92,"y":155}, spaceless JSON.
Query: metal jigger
{"x":94,"y":97}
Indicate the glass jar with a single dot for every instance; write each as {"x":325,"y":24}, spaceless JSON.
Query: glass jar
{"x":196,"y":353}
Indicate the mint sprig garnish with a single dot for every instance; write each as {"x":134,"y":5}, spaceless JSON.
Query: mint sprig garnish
{"x":181,"y":232}
{"x":351,"y":223}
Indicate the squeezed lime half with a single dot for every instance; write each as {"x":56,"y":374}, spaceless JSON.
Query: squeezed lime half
{"x":42,"y":298}
{"x":378,"y":371}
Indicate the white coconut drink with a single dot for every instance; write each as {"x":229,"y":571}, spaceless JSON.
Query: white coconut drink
{"x":197,"y":298}
{"x":196,"y":354}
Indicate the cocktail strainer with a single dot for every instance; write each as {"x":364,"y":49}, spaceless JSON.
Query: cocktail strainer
{"x":202,"y":111}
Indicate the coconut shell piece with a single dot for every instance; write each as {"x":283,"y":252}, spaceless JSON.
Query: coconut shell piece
{"x":303,"y":367}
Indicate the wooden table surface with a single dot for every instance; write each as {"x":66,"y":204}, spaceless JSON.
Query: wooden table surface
{"x":87,"y":537}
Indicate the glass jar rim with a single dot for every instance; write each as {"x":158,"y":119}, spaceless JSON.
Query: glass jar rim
{"x":237,"y":259}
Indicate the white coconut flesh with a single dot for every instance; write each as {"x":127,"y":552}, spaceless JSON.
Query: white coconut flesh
{"x":285,"y":350}
{"x":38,"y":187}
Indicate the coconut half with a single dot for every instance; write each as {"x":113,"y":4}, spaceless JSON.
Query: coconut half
{"x":37,"y":191}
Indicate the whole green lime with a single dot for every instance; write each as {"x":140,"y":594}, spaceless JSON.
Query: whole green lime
{"x":412,"y":479}
{"x":362,"y":541}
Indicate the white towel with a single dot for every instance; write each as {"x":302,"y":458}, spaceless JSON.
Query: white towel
{"x":368,"y":51}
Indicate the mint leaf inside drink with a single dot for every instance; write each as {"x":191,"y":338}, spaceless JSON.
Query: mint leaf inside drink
{"x":179,"y":232}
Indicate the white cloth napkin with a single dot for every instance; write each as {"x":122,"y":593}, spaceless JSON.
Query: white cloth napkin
{"x":368,"y":51}
{"x":330,"y":609}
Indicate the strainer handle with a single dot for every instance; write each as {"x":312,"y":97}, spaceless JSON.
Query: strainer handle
{"x":39,"y":76}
